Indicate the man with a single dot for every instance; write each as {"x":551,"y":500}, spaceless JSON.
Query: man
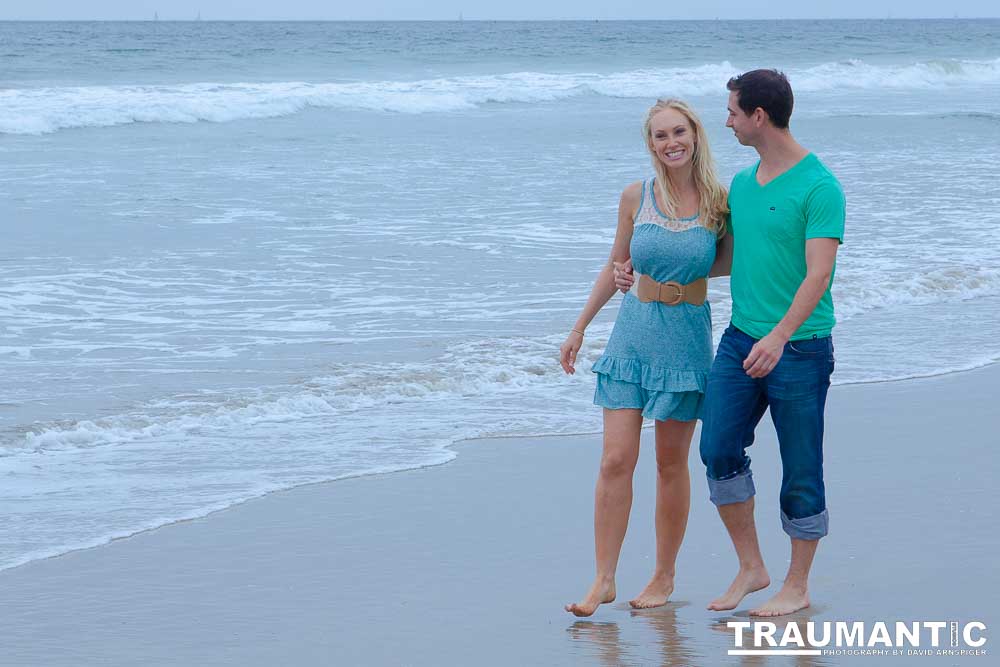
{"x":787,"y":223}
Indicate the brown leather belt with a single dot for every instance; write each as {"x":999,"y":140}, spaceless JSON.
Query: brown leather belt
{"x":670,"y":293}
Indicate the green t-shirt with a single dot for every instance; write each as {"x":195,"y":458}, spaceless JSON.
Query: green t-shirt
{"x":770,"y":225}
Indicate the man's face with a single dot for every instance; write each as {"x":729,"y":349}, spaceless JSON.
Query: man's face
{"x":742,"y":125}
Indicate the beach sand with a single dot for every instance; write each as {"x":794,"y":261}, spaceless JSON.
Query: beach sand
{"x":471,"y":562}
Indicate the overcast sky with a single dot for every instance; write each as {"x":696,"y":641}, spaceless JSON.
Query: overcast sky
{"x":490,"y":9}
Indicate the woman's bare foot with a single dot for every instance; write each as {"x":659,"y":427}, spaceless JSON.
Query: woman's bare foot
{"x":788,"y":600}
{"x":603,"y":591}
{"x":747,"y":581}
{"x":656,"y":593}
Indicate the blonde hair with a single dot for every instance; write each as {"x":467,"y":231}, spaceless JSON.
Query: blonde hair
{"x":713,"y":208}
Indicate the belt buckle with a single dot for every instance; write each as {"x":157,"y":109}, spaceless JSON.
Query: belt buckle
{"x":677,"y":287}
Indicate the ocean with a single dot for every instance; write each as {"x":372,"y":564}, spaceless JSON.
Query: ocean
{"x":243,"y":257}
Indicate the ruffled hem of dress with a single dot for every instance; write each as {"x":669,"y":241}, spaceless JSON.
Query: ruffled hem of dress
{"x":651,"y":378}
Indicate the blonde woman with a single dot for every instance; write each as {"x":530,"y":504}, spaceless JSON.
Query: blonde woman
{"x":671,"y":228}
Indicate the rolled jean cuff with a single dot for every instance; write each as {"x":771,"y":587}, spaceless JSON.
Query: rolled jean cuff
{"x":736,"y":489}
{"x":807,"y":528}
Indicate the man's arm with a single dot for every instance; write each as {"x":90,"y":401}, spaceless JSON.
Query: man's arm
{"x":765,"y":354}
{"x":723,"y":264}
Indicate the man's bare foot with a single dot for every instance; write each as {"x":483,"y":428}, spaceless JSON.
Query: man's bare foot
{"x":655,"y":594}
{"x":601,"y":592}
{"x":788,"y":600}
{"x":747,"y":581}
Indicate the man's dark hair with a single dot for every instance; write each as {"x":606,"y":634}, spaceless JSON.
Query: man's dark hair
{"x":765,"y":88}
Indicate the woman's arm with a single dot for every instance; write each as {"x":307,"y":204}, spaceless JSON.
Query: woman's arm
{"x":604,"y":285}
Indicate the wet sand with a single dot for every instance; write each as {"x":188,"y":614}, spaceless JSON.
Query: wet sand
{"x":471,"y":562}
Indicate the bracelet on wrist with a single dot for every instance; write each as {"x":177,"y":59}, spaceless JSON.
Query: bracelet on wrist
{"x":577,"y":331}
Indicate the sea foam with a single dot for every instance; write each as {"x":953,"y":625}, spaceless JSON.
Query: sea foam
{"x":45,"y":110}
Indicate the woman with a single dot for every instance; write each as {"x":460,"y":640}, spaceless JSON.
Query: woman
{"x":656,"y":363}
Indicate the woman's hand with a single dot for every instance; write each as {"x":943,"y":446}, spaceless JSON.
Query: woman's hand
{"x":568,"y":350}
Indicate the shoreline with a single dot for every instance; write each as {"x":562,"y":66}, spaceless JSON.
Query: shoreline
{"x":100,"y":542}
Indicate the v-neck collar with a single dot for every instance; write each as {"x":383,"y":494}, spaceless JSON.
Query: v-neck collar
{"x":782,"y":174}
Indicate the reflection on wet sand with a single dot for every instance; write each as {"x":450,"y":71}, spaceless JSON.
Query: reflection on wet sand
{"x":674,"y":647}
{"x":604,"y":637}
{"x":679,"y":640}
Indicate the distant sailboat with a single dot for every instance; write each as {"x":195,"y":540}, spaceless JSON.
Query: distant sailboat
{"x":156,"y":16}
{"x":199,"y":17}
{"x":460,"y":17}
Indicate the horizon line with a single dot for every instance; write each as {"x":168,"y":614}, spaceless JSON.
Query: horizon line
{"x":486,"y":20}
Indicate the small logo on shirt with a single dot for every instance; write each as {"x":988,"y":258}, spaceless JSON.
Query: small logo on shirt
{"x":772,"y":208}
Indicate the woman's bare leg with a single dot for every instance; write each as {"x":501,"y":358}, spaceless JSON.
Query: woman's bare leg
{"x":612,"y":504}
{"x":673,"y":501}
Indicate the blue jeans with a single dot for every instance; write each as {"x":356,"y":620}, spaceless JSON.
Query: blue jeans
{"x":795,"y":391}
